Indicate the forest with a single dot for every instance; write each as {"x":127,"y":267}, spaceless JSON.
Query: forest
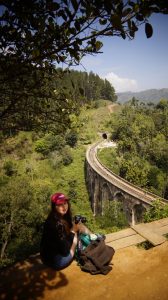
{"x":141,"y":156}
{"x":48,"y":98}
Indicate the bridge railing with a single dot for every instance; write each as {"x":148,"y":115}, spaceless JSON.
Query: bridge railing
{"x":143,"y":193}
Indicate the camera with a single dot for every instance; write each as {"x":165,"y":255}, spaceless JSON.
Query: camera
{"x":79,"y":218}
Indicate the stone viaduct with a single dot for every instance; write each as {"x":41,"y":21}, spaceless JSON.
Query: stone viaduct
{"x":105,"y":186}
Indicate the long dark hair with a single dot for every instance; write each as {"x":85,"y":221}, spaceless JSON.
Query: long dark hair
{"x":55,"y":216}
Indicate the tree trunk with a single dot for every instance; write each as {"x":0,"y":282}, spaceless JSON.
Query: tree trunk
{"x":5,"y":243}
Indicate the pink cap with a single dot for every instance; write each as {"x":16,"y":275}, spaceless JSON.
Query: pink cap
{"x":58,"y":198}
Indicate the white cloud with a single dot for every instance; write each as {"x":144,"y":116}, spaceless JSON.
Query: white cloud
{"x":121,"y":84}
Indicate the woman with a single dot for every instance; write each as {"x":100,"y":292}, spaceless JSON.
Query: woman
{"x":59,"y":239}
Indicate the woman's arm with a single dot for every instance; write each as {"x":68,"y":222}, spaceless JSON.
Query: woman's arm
{"x":64,"y":240}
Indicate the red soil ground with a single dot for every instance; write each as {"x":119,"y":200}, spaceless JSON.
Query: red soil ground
{"x":137,"y":275}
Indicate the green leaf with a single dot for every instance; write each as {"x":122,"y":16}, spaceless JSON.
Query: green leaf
{"x":148,"y":30}
{"x":81,"y":91}
{"x":74,"y":4}
{"x":131,"y":3}
{"x":77,"y":25}
{"x":116,"y":22}
{"x":62,"y":58}
{"x":68,"y":12}
{"x":139,"y":17}
{"x":102,"y":21}
{"x":109,"y":33}
{"x":66,"y":2}
{"x":126,"y":11}
{"x":35,"y":53}
{"x":134,"y":27}
{"x":72,"y":30}
{"x":132,"y":33}
{"x":123,"y":35}
{"x":98,"y":45}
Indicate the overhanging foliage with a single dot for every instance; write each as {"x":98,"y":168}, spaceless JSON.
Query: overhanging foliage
{"x":42,"y":33}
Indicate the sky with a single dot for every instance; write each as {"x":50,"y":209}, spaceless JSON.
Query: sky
{"x":135,"y":65}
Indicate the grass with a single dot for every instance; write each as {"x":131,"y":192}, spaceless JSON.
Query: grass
{"x":94,"y":122}
{"x":109,"y":158}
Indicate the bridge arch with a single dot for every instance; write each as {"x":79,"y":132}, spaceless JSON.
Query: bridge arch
{"x":106,"y":196}
{"x":119,"y":196}
{"x":125,"y":207}
{"x":138,"y":211}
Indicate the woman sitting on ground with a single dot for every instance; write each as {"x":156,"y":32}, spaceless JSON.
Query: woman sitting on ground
{"x":59,"y":239}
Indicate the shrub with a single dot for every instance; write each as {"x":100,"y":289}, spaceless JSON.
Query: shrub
{"x":72,"y":193}
{"x":9,"y":168}
{"x":113,"y":216}
{"x":41,"y":147}
{"x":71,"y":138}
{"x":55,"y":159}
{"x":157,"y":211}
{"x":66,"y":156}
{"x":54,"y":142}
{"x":49,"y":143}
{"x":22,"y":213}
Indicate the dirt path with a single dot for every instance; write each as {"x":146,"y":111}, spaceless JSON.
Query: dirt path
{"x":137,"y":275}
{"x":112,"y":107}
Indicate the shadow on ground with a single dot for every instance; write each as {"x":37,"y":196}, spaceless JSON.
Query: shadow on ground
{"x":29,"y":279}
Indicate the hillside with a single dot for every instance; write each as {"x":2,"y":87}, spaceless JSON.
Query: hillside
{"x":152,"y":95}
{"x":35,"y":165}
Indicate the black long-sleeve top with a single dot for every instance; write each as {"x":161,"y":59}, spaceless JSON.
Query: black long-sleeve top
{"x":55,"y":240}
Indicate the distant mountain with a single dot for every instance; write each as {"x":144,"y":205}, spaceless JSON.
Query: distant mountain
{"x":152,"y":95}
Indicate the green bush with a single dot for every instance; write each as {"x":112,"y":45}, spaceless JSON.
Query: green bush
{"x":113,"y":217}
{"x":54,"y":142}
{"x":72,"y":193}
{"x":41,"y":147}
{"x":49,"y":143}
{"x":23,"y":210}
{"x":67,"y":158}
{"x":55,"y":159}
{"x":4,"y":180}
{"x":71,"y":138}
{"x":9,"y":168}
{"x":157,"y":211}
{"x":157,"y":180}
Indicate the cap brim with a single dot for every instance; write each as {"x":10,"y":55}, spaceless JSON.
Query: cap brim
{"x":61,"y":201}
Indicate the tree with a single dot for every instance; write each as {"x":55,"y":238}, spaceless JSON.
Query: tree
{"x":135,"y":170}
{"x":71,"y":138}
{"x":157,"y":181}
{"x":14,"y":207}
{"x":157,"y":211}
{"x":30,"y":100}
{"x":108,"y":91}
{"x":37,"y":35}
{"x":22,"y":212}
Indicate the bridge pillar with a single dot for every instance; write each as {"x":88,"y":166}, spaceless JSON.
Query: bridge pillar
{"x":133,"y":217}
{"x":97,"y":203}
